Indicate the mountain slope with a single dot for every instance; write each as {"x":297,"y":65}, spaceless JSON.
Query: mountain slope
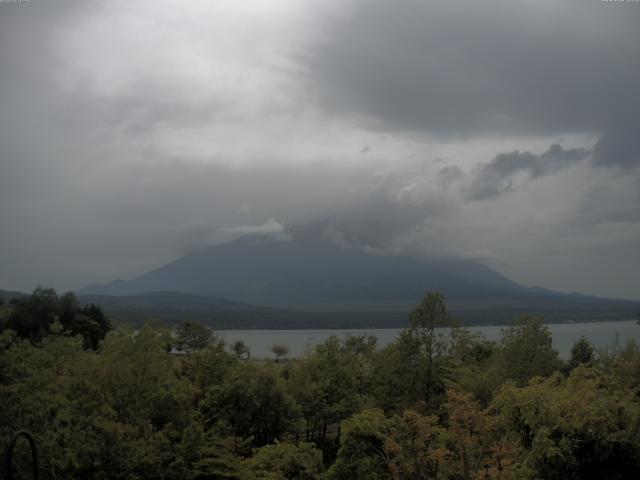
{"x":171,"y":308}
{"x":8,"y":295}
{"x":311,"y":273}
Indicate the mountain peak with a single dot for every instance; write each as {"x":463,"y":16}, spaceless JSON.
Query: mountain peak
{"x":308,"y":270}
{"x":312,"y":271}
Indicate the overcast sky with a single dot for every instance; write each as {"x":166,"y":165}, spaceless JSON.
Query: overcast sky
{"x":133,"y":132}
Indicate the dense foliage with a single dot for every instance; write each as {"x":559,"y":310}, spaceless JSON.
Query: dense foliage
{"x":435,"y":404}
{"x":40,"y":314}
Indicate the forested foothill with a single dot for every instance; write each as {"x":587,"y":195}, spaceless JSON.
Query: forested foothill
{"x":117,"y":403}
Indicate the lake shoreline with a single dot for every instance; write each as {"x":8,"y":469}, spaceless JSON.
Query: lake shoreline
{"x":300,"y":341}
{"x":391,"y":326}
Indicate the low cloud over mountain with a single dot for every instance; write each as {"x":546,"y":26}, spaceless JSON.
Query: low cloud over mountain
{"x":501,"y":131}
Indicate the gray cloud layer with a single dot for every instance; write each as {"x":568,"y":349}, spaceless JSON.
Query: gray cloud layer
{"x":495,"y":178}
{"x":460,"y":68}
{"x":131,"y":133}
{"x":620,"y":146}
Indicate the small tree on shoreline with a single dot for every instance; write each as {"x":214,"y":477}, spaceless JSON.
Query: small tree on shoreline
{"x":240,"y":348}
{"x":280,"y":350}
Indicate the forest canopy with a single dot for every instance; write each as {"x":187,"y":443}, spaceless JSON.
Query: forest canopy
{"x":437,"y":403}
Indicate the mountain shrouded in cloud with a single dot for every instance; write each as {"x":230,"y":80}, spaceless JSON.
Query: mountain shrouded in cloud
{"x":315,"y":271}
{"x":133,"y":133}
{"x":309,"y":270}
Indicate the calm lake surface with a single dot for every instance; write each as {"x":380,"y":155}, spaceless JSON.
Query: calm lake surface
{"x":600,"y":334}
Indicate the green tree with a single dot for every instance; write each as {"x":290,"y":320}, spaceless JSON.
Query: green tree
{"x":32,"y":316}
{"x":206,"y":455}
{"x":280,"y":350}
{"x":33,"y":392}
{"x":414,"y":369}
{"x":207,"y":367}
{"x":622,"y":364}
{"x":580,"y":427}
{"x":93,"y":331}
{"x":67,"y":309}
{"x":526,"y":351}
{"x":582,"y":353}
{"x":89,"y":329}
{"x":415,"y":448}
{"x":362,"y":448}
{"x":284,"y":461}
{"x":425,"y":318}
{"x":473,"y":365}
{"x":400,"y":372}
{"x":192,"y":336}
{"x":478,"y":450}
{"x":329,"y":386}
{"x":5,"y":313}
{"x":240,"y":348}
{"x":250,"y":403}
{"x":133,"y":415}
{"x":361,"y":344}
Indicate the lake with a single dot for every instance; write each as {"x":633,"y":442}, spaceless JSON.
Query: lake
{"x":600,"y":334}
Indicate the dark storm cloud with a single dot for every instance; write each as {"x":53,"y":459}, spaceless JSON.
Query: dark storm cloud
{"x":619,"y":147}
{"x":616,"y":202}
{"x":469,"y":67}
{"x":496,"y":177}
